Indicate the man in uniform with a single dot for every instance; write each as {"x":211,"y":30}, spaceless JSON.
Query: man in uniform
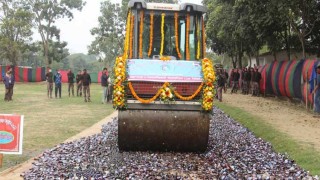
{"x":49,"y":77}
{"x":235,"y":80}
{"x":256,"y":82}
{"x":8,"y":81}
{"x":70,"y":82}
{"x":220,"y":84}
{"x":86,"y":81}
{"x":246,"y":81}
{"x":79,"y":83}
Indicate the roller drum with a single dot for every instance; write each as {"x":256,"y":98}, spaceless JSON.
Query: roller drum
{"x":164,"y":130}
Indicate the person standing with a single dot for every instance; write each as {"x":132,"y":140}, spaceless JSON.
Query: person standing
{"x":316,"y":91}
{"x":235,"y":80}
{"x":79,"y":83}
{"x":104,"y":85}
{"x":220,"y":84}
{"x":246,"y":82}
{"x":8,"y":81}
{"x":227,"y":80}
{"x":57,"y":82}
{"x":70,"y":82}
{"x":256,"y":81}
{"x":49,"y":77}
{"x":86,"y":81}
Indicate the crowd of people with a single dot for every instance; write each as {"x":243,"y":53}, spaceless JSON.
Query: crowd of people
{"x":248,"y":81}
{"x":82,"y":80}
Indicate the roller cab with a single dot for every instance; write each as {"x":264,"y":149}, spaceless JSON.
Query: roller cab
{"x":163,"y":84}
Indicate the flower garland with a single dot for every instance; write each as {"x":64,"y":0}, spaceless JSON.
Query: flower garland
{"x":198,"y":39}
{"x":208,"y":89}
{"x":151,"y":34}
{"x":131,"y":36}
{"x":119,"y":89}
{"x":166,"y":93}
{"x":146,"y":101}
{"x":127,"y":38}
{"x":203,"y":39}
{"x":165,"y":58}
{"x":162,"y":33}
{"x":187,"y":38}
{"x":176,"y":15}
{"x":189,"y":97}
{"x":141,"y":35}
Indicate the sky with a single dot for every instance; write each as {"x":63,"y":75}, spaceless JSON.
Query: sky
{"x":77,"y":32}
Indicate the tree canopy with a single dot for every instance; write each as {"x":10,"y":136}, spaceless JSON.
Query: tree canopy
{"x":244,"y":27}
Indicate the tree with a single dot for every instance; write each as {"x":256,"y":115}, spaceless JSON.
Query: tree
{"x":303,"y":17}
{"x":15,"y":30}
{"x":46,"y":13}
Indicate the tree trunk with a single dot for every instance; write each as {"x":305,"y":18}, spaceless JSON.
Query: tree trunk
{"x":234,"y":62}
{"x":257,"y":59}
{"x":287,"y":37}
{"x":250,"y":61}
{"x":240,"y":59}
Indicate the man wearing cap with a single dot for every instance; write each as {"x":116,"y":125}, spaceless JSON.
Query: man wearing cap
{"x":70,"y":82}
{"x":57,"y":84}
{"x":86,"y":81}
{"x":49,"y":77}
{"x":8,"y":81}
{"x":79,"y":83}
{"x":104,"y":85}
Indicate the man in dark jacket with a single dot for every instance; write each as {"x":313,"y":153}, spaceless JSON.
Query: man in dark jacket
{"x":86,"y":81}
{"x":49,"y":77}
{"x":220,"y":84}
{"x":79,"y":83}
{"x":8,"y":81}
{"x":104,"y":85}
{"x":256,"y":82}
{"x":57,"y":84}
{"x":70,"y":82}
{"x":246,"y":81}
{"x":235,"y":80}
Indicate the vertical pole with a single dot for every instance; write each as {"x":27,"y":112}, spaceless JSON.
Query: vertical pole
{"x":1,"y":159}
{"x":265,"y":85}
{"x":307,"y":92}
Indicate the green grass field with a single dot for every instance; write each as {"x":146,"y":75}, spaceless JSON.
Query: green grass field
{"x":304,"y":154}
{"x":48,"y":122}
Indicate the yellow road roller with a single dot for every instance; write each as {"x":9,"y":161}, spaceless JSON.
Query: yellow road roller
{"x":163,"y":84}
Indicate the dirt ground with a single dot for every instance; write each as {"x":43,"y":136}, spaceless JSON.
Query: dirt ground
{"x":14,"y":172}
{"x":284,"y":115}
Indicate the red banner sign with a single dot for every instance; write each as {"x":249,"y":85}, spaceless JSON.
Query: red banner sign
{"x":11,"y":134}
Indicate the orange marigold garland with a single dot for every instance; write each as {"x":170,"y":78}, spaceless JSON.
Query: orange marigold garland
{"x":208,"y":89}
{"x":203,"y":39}
{"x":127,"y":37}
{"x":189,"y":97}
{"x":131,"y":37}
{"x":162,"y":33}
{"x":147,"y":101}
{"x":198,"y":39}
{"x":187,"y":37}
{"x":119,"y":88}
{"x":151,"y":34}
{"x":176,"y":15}
{"x":141,"y":35}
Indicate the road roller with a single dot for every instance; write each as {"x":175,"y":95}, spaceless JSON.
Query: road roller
{"x":163,"y":84}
